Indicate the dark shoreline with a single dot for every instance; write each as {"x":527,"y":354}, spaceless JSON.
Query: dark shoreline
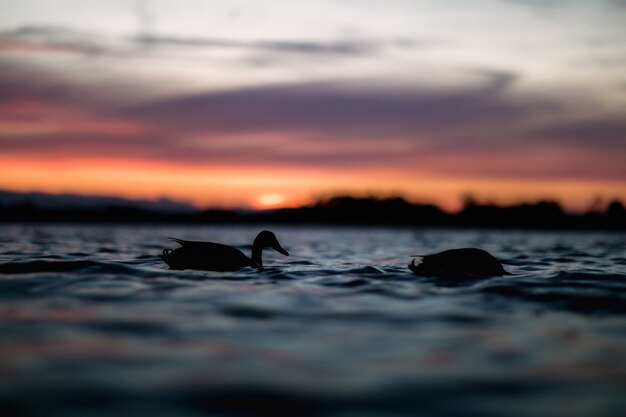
{"x":340,"y":211}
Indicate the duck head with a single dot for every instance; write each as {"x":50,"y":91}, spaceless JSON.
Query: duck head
{"x":265,"y":239}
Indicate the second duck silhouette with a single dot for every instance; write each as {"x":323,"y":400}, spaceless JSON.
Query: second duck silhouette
{"x":465,"y":263}
{"x":209,"y":256}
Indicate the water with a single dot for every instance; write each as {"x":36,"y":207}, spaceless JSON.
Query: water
{"x":93,"y":324}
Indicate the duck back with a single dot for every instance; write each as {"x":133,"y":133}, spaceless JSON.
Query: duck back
{"x":206,"y":256}
{"x":461,"y":263}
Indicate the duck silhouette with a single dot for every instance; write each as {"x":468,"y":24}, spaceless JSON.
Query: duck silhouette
{"x":210,"y":256}
{"x":459,"y":263}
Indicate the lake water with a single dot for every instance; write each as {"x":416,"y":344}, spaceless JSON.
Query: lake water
{"x":92,"y":323}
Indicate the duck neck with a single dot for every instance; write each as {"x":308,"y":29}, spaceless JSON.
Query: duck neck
{"x":257,"y":250}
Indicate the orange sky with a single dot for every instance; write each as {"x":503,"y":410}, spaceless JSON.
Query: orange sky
{"x":288,"y":187}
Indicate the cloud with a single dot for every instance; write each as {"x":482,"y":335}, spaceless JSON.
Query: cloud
{"x":604,"y":132}
{"x":336,"y":109}
{"x":68,"y":40}
{"x":479,"y":129}
{"x":275,"y":46}
{"x":52,"y":39}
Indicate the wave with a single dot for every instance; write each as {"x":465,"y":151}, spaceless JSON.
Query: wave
{"x":584,"y":293}
{"x":62,"y":266}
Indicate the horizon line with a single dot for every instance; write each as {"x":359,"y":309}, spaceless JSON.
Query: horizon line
{"x":596,"y":204}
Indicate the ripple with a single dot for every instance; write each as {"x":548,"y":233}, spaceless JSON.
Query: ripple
{"x":366,"y":270}
{"x":249,"y":312}
{"x":44,"y":266}
{"x":580,"y":300}
{"x":62,"y":266}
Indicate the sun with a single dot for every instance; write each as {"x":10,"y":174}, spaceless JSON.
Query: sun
{"x":270,"y":200}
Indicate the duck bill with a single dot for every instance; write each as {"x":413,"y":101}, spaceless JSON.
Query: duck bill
{"x":276,"y":246}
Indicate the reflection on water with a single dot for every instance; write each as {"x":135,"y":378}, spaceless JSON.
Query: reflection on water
{"x":92,"y":323}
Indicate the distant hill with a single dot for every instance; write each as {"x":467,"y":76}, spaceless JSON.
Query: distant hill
{"x":340,"y":210}
{"x":44,"y":201}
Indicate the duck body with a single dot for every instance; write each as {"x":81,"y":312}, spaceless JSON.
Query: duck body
{"x":210,"y":256}
{"x":207,"y":256}
{"x":459,"y":263}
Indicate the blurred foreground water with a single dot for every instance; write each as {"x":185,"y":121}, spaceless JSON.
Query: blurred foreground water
{"x":92,"y":323}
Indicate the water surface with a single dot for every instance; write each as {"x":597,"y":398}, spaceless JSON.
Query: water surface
{"x":92,"y":323}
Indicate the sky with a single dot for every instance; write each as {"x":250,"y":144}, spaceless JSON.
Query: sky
{"x":276,"y":103}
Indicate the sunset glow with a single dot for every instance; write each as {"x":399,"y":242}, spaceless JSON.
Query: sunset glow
{"x":271,"y":200}
{"x":242,"y":105}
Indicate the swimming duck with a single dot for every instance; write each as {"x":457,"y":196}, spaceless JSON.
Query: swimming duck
{"x":459,"y":263}
{"x":209,"y":256}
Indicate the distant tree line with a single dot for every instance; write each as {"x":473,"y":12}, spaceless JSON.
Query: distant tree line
{"x":347,"y":210}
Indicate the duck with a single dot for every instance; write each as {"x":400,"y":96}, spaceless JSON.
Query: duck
{"x":210,"y":256}
{"x":459,"y":263}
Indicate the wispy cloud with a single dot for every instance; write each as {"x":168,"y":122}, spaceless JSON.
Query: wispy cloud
{"x":69,"y":40}
{"x":53,"y":39}
{"x":336,"y":109}
{"x":477,"y":130}
{"x":277,"y":46}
